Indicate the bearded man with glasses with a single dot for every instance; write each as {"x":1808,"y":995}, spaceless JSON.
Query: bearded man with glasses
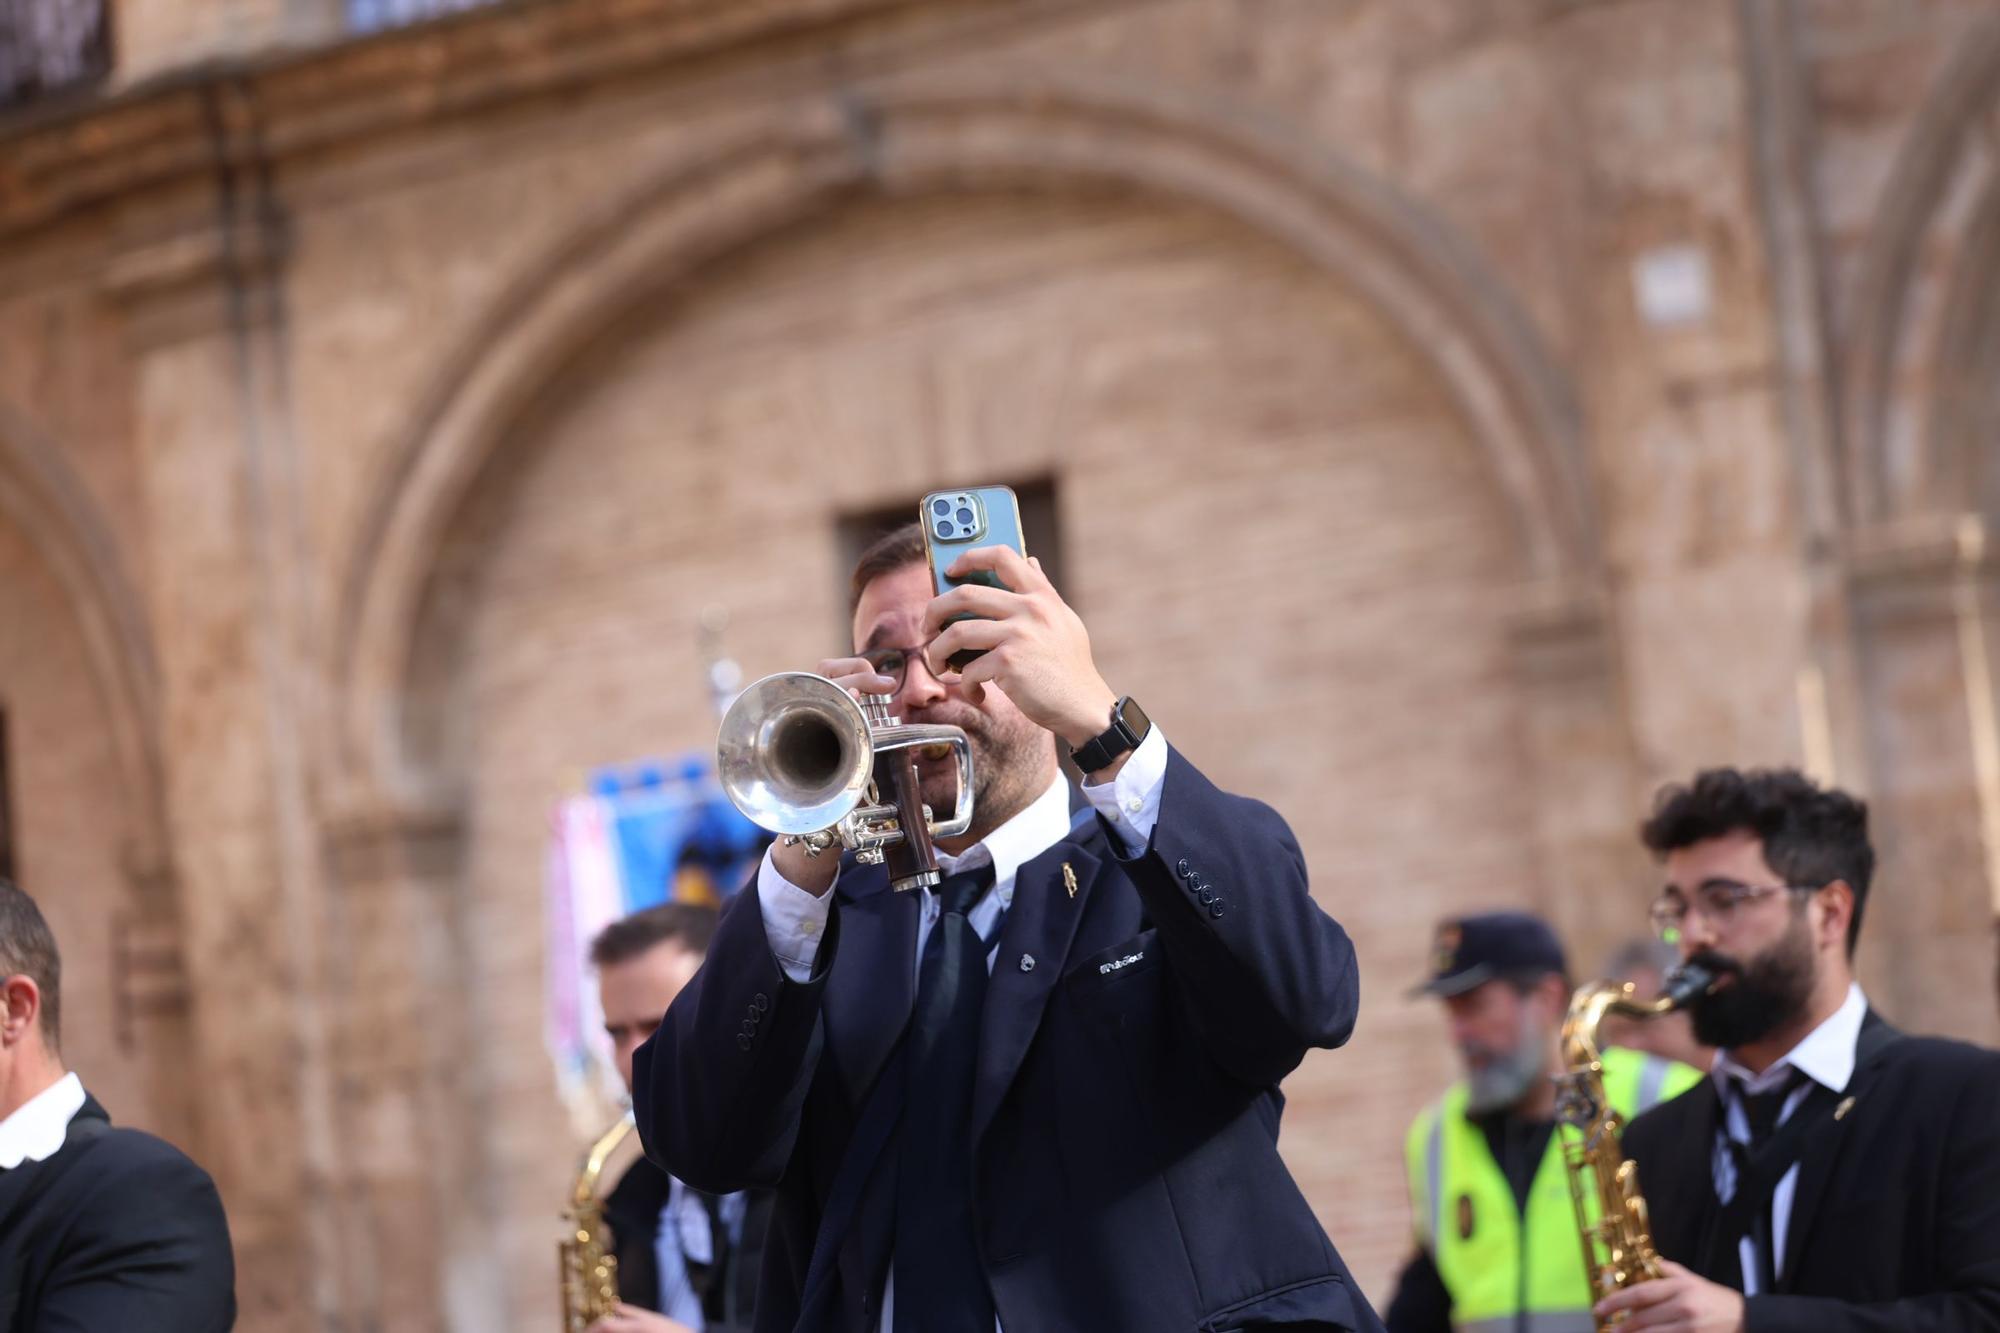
{"x":1831,"y":1173}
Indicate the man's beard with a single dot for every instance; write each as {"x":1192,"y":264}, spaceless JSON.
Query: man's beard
{"x":1772,"y":989}
{"x":1009,"y":766}
{"x":1509,"y":1075}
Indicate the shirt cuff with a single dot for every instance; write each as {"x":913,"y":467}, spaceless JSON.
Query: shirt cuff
{"x":794,"y":920}
{"x":1131,"y":801}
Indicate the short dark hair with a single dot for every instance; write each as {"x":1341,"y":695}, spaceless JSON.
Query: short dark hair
{"x":885,"y":555}
{"x":690,"y":925}
{"x":28,"y":949}
{"x":1812,"y":835}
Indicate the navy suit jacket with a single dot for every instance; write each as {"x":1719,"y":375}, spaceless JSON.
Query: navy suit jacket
{"x":1125,"y":1110}
{"x":116,"y":1231}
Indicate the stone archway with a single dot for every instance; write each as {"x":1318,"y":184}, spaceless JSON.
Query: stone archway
{"x":50,"y":505}
{"x":1924,"y":304}
{"x":1922,"y":386}
{"x":77,"y":675}
{"x":908,"y":142}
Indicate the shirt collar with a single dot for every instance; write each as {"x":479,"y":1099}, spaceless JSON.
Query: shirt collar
{"x":36,"y":1131}
{"x":1038,"y":827}
{"x":1825,"y":1055}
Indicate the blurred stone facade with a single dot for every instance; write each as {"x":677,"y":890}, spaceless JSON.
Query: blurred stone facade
{"x":1463,"y":415}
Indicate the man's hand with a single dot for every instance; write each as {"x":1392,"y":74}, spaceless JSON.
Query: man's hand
{"x":631,"y":1319}
{"x":1036,"y":648}
{"x":1679,"y":1301}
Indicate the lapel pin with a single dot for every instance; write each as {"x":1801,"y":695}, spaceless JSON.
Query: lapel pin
{"x":1840,"y":1111}
{"x":1027,"y":962}
{"x":1069,"y":879}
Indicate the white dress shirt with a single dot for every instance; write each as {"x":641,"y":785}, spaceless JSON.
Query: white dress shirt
{"x":36,"y":1131}
{"x":686,"y":1236}
{"x":795,"y":920}
{"x":1825,"y":1056}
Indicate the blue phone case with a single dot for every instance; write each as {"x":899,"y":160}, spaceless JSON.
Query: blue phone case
{"x":955,"y":522}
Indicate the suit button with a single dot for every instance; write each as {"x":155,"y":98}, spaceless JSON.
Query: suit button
{"x":761,"y":1003}
{"x":1186,"y":871}
{"x":1195,"y":886}
{"x":743,"y":1042}
{"x":1207,"y":895}
{"x":749,"y":1027}
{"x":1215,"y":908}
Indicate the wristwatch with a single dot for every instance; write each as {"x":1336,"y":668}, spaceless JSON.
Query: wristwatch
{"x":1129,"y":726}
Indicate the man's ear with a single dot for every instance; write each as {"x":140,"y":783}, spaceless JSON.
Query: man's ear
{"x":20,"y":1008}
{"x":1836,"y":902}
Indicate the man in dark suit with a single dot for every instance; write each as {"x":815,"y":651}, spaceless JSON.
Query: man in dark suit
{"x":686,"y":1260}
{"x":1831,"y":1174}
{"x":100,"y":1228}
{"x":1043,"y":1098}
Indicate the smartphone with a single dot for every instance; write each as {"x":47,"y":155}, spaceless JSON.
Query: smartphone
{"x":955,"y":522}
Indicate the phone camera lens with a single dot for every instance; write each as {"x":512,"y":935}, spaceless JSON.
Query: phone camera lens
{"x":944,"y":531}
{"x":965,"y":517}
{"x":940,"y":507}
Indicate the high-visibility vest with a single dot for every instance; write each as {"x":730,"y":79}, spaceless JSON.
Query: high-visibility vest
{"x":1511,"y":1270}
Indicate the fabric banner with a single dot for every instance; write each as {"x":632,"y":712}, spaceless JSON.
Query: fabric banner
{"x":641,"y":835}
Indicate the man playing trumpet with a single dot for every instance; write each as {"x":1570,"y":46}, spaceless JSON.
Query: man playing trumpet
{"x":1044,"y":1095}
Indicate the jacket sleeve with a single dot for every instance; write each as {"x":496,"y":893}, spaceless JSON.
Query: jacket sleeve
{"x":718,"y":1090}
{"x":1265,"y":973}
{"x":1966,"y":1254}
{"x":150,"y":1250}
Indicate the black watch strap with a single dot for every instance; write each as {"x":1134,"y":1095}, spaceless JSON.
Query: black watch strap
{"x":1129,"y":726}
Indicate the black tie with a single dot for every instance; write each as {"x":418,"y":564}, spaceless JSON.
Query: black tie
{"x":940,"y":1283}
{"x":1761,"y":1110}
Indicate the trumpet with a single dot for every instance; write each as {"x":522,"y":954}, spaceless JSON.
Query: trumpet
{"x":803,"y":757}
{"x":1618,"y":1247}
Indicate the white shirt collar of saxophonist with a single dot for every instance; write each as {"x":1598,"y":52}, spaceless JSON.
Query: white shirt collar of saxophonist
{"x":1038,"y":827}
{"x":36,"y":1131}
{"x":1825,"y":1055}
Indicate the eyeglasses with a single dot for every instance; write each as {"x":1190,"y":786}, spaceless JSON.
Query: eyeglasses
{"x":895,"y":664}
{"x":1717,"y":900}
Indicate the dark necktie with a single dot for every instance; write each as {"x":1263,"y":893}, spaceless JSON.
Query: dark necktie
{"x":940,"y":1282}
{"x":1761,"y":1111}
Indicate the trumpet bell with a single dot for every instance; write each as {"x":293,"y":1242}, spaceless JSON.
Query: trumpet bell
{"x":794,"y":753}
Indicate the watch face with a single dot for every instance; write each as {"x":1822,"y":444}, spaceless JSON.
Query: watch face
{"x":1134,"y":719}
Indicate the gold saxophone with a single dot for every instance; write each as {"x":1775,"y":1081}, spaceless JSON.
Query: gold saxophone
{"x":589,"y":1271}
{"x":1618,"y":1243}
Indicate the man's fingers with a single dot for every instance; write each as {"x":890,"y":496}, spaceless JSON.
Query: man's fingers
{"x":1014,"y":571}
{"x":1638,"y":1297}
{"x":974,"y":599}
{"x":980,"y":634}
{"x":855,"y":673}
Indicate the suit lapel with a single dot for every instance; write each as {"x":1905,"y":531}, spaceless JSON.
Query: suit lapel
{"x":1821,"y":1155}
{"x":870,"y":995}
{"x":1040,"y":925}
{"x":1689,"y":1195}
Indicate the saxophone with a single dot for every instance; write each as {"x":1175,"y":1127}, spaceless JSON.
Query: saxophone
{"x":1617,"y":1243}
{"x":589,"y":1274}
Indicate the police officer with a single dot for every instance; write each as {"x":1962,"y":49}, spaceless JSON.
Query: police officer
{"x":1497,"y":1244}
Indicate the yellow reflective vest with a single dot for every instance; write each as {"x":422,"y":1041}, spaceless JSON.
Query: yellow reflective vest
{"x":1511,"y":1270}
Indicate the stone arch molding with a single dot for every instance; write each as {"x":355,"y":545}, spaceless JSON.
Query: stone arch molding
{"x":1916,"y":454}
{"x":927,"y":138}
{"x":42,"y":497}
